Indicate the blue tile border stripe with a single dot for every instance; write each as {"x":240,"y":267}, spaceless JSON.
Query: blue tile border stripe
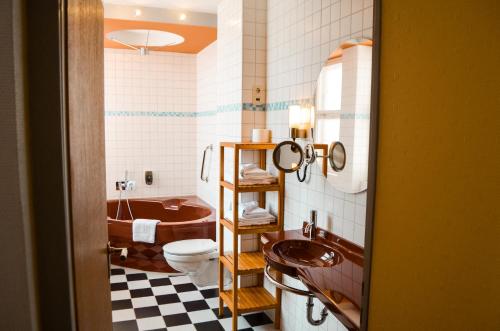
{"x":273,"y":106}
{"x":150,"y":114}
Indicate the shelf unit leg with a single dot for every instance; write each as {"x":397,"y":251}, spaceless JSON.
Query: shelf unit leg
{"x":221,"y":268}
{"x":221,"y":230}
{"x":235,"y":237}
{"x":262,"y":204}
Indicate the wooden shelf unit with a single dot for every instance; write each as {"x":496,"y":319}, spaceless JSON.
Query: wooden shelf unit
{"x":257,"y":298}
{"x":248,"y":263}
{"x":249,"y":299}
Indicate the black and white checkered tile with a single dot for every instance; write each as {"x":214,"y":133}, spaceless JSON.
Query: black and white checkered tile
{"x":154,"y":301}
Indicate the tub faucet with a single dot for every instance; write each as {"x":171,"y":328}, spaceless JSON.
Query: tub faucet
{"x":311,"y":226}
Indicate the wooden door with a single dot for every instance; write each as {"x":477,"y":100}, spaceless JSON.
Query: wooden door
{"x":84,"y":84}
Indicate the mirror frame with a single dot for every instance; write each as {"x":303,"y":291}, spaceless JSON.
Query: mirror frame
{"x":276,"y":163}
{"x":331,"y":158}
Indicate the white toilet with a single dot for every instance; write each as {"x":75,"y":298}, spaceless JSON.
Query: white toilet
{"x":198,"y":258}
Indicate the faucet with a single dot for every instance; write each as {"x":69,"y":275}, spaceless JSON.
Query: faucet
{"x":311,"y":226}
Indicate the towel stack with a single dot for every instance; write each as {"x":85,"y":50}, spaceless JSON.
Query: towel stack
{"x":251,"y":214}
{"x":253,"y":175}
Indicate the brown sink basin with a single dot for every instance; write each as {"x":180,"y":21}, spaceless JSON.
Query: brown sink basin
{"x":330,"y":267}
{"x":292,"y":254}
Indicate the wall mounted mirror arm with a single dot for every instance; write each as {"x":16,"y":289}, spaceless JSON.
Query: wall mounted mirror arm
{"x":309,"y":159}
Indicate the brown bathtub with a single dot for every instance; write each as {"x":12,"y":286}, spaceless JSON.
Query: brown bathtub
{"x":181,"y":218}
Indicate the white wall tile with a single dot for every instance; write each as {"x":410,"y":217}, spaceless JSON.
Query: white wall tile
{"x":145,"y":85}
{"x":297,"y":47}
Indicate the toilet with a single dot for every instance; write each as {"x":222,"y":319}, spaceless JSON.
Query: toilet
{"x":198,"y":258}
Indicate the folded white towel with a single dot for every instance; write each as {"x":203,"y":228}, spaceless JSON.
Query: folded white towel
{"x":247,"y":207}
{"x":246,"y":168}
{"x":258,"y":181}
{"x":257,"y":221}
{"x":256,"y":213}
{"x":144,"y":230}
{"x":252,"y":170}
{"x":256,"y":173}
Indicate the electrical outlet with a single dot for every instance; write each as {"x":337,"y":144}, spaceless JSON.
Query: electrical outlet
{"x":258,"y":95}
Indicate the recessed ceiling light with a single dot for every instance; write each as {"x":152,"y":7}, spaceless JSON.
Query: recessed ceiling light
{"x":137,"y":12}
{"x":182,"y":17}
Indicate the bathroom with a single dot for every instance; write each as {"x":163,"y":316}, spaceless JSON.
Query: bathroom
{"x":248,"y":165}
{"x":167,"y":111}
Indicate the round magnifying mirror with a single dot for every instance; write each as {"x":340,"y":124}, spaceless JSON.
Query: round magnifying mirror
{"x":288,"y":156}
{"x":337,"y":156}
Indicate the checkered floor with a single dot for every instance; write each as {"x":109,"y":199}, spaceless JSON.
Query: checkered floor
{"x":153,"y":301}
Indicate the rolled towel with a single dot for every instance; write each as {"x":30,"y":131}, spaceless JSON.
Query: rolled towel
{"x":144,"y":230}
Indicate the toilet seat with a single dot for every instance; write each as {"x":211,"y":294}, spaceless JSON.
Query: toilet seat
{"x":191,"y":250}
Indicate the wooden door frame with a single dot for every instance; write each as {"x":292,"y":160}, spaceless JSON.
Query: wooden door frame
{"x":57,"y":257}
{"x":372,"y":164}
{"x":45,"y":39}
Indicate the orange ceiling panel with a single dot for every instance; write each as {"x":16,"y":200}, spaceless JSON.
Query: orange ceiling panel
{"x":196,"y":38}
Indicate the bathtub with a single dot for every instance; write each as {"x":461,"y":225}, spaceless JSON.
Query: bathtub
{"x":181,"y":218}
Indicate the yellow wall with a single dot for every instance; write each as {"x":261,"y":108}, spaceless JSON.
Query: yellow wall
{"x":436,"y":263}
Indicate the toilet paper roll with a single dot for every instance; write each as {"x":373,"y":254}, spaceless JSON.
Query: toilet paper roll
{"x":261,"y":135}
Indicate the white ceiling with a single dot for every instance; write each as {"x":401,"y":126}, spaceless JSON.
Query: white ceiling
{"x":204,"y":6}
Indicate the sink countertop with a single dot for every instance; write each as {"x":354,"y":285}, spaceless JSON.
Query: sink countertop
{"x":338,"y":287}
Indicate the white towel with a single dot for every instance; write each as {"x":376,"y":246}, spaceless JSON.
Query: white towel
{"x":144,"y":230}
{"x":252,"y":170}
{"x":256,"y":173}
{"x":247,"y":207}
{"x":246,"y":168}
{"x":256,"y":213}
{"x":258,"y":181}
{"x":257,"y":221}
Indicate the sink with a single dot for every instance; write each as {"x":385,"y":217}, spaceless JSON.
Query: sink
{"x":288,"y":255}
{"x":330,"y":267}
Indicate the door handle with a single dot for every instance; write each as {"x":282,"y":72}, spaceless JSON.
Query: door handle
{"x":123,"y":251}
{"x":112,"y":250}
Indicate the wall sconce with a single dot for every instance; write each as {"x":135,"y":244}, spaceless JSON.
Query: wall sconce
{"x":289,"y":156}
{"x":300,"y":121}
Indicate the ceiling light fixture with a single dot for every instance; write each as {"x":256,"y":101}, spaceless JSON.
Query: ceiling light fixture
{"x":142,"y":39}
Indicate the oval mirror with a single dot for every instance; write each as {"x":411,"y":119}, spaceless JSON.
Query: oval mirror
{"x":337,"y":156}
{"x":288,"y":156}
{"x":342,"y":113}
